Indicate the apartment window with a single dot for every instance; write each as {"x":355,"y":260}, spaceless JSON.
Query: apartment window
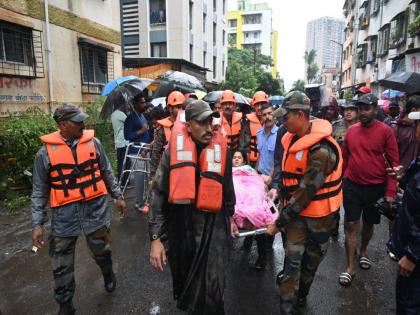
{"x":252,"y":19}
{"x":21,"y":51}
{"x":373,"y":49}
{"x":398,"y":33}
{"x":204,"y":22}
{"x":383,"y":40}
{"x":362,"y":55}
{"x":223,"y":68}
{"x":232,"y":39}
{"x":214,"y":34}
{"x":364,"y":15}
{"x":157,"y":12}
{"x":93,"y":61}
{"x":224,"y":38}
{"x":204,"y":59}
{"x":191,"y":14}
{"x":214,"y":67}
{"x":214,"y":5}
{"x":233,"y":23}
{"x":158,"y":50}
{"x":191,"y":53}
{"x":375,"y":7}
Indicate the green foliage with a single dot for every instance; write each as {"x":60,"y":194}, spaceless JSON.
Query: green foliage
{"x":299,"y":85}
{"x":247,"y":73}
{"x":414,"y":27}
{"x":311,"y":66}
{"x":347,"y":95}
{"x":19,"y":142}
{"x":14,"y":202}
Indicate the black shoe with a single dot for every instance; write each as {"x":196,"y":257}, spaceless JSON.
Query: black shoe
{"x":110,"y":282}
{"x":67,"y":308}
{"x":260,"y":264}
{"x":302,"y":302}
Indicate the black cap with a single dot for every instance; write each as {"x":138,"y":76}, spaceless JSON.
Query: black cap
{"x":69,"y":112}
{"x":367,"y":99}
{"x":199,"y":110}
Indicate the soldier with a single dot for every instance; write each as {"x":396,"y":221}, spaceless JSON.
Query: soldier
{"x":311,"y":184}
{"x":192,"y":206}
{"x":350,"y":117}
{"x":231,"y":120}
{"x":72,"y":169}
{"x":163,"y":132}
{"x":329,"y":109}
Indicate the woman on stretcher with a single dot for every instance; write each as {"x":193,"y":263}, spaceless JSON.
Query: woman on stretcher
{"x":253,"y":209}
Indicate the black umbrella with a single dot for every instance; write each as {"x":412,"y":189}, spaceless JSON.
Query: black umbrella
{"x":123,"y":95}
{"x":408,"y":82}
{"x":181,"y":79}
{"x":214,"y":97}
{"x":166,"y":87}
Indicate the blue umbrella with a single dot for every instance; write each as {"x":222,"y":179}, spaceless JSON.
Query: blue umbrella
{"x":387,"y":94}
{"x":111,"y":85}
{"x":276,"y":100}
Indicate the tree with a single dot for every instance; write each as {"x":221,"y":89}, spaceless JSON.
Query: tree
{"x":299,"y":85}
{"x":269,"y":85}
{"x":311,"y":66}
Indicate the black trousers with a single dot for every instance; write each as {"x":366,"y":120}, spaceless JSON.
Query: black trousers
{"x":408,"y":294}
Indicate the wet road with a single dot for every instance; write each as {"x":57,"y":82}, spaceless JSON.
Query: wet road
{"x":26,"y":279}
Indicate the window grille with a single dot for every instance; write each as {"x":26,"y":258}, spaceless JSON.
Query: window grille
{"x":20,"y":51}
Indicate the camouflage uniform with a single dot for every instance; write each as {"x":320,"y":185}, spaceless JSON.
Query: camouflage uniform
{"x":307,"y":238}
{"x":158,"y":145}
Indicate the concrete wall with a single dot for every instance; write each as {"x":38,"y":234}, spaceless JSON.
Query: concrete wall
{"x":17,"y":93}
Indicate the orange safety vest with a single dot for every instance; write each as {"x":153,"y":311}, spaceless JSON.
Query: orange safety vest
{"x":167,"y":124}
{"x":72,"y":181}
{"x":329,"y":197}
{"x":232,"y":132}
{"x":254,"y":125}
{"x":183,"y":167}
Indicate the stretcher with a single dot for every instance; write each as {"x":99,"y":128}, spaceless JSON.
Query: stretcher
{"x":143,"y":154}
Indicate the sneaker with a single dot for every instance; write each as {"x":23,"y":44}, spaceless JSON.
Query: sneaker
{"x":110,"y":282}
{"x":67,"y":308}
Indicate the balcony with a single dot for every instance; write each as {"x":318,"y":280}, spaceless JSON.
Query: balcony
{"x":157,"y":17}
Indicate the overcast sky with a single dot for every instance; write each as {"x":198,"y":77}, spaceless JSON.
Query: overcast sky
{"x":289,"y":19}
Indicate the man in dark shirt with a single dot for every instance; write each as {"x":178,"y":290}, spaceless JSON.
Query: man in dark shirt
{"x":366,"y":180}
{"x":136,"y":129}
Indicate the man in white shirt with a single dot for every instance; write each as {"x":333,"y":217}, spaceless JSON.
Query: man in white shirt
{"x":117,"y":119}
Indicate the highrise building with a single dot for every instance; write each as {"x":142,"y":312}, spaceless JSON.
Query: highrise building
{"x":325,"y":35}
{"x":250,"y":26}
{"x":187,"y":35}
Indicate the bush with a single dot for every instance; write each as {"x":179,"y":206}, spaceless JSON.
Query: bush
{"x":20,"y":140}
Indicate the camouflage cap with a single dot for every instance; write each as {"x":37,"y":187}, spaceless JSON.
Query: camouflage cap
{"x":295,"y":100}
{"x":69,"y":112}
{"x":349,"y":104}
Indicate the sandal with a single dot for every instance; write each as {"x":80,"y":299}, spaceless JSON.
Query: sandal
{"x":364,"y":263}
{"x":345,"y":279}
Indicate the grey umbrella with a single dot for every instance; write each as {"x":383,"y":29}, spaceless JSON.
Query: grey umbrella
{"x":408,"y":82}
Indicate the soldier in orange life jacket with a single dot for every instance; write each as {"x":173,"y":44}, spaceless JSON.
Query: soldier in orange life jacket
{"x":231,"y":120}
{"x":72,"y":170}
{"x":311,"y":188}
{"x":163,"y":132}
{"x":192,"y":205}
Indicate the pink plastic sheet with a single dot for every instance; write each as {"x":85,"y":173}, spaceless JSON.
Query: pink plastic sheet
{"x":251,"y":200}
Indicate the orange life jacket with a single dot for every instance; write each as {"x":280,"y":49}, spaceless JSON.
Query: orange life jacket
{"x":329,"y":197}
{"x":232,"y":132}
{"x":183,"y":167}
{"x":167,"y":124}
{"x":72,"y":181}
{"x":254,"y":125}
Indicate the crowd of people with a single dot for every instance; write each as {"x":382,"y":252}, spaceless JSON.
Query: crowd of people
{"x":350,"y":157}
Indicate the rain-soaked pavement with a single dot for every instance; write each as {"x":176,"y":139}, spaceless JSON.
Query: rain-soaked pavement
{"x":26,"y":280}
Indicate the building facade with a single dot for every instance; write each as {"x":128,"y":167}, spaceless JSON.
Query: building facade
{"x":194,"y":31}
{"x":84,"y":41}
{"x":325,"y":35}
{"x":250,"y":26}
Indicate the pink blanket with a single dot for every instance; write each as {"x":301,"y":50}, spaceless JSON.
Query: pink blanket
{"x":251,"y":200}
